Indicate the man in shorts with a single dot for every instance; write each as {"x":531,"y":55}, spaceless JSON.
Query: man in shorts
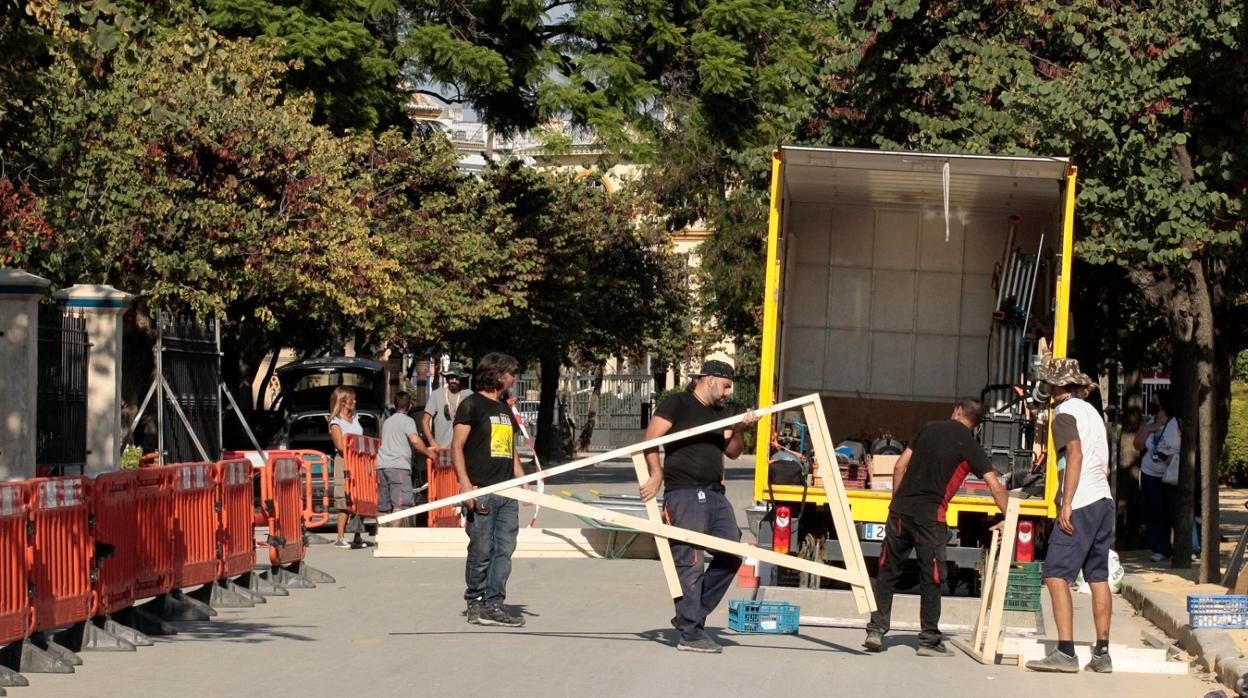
{"x":399,"y":439}
{"x":1085,"y":521}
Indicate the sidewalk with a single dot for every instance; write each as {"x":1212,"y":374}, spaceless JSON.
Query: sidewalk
{"x":1160,"y":594}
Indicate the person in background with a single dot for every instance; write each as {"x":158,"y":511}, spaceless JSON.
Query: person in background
{"x":343,"y":421}
{"x":399,"y":439}
{"x":437,"y":422}
{"x":692,"y":476}
{"x":928,"y":474}
{"x":483,"y":450}
{"x":1158,"y":441}
{"x":1085,"y":522}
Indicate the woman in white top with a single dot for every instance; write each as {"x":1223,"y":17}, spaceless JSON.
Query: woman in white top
{"x":342,"y":421}
{"x":1158,"y":441}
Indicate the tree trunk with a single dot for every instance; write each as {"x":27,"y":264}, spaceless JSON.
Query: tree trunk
{"x":547,"y":441}
{"x":1184,"y":380}
{"x":1207,"y":430}
{"x":591,"y":418}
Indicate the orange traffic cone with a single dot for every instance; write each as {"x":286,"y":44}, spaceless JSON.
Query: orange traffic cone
{"x":747,"y":574}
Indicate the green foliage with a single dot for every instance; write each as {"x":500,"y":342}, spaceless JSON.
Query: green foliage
{"x":1233,"y":465}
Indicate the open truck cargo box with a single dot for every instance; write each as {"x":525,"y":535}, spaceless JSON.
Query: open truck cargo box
{"x":880,"y":289}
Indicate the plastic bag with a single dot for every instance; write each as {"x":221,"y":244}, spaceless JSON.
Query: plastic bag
{"x":1116,"y":573}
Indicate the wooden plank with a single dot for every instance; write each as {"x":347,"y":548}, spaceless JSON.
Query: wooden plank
{"x":1001,"y":578}
{"x":990,"y":563}
{"x":652,"y":513}
{"x":531,"y":542}
{"x":692,"y":537}
{"x":972,"y":652}
{"x":838,"y":505}
{"x":627,"y":451}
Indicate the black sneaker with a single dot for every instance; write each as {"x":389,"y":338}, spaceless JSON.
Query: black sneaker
{"x":474,"y":612}
{"x":1057,"y":661}
{"x":495,"y":614}
{"x":936,"y":650}
{"x":874,"y":641}
{"x":704,"y":644}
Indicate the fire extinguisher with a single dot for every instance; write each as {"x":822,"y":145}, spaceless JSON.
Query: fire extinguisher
{"x":782,"y":532}
{"x":1025,"y":545}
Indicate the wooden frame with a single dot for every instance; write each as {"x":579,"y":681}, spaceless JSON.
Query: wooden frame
{"x":986,"y":638}
{"x":854,"y":573}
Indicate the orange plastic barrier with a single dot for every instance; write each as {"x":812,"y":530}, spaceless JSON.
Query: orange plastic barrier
{"x":113,"y":569}
{"x":195,"y":524}
{"x":316,"y":509}
{"x":282,"y":502}
{"x":361,"y":474}
{"x":60,"y":551}
{"x":443,"y":482}
{"x":17,"y":617}
{"x":236,"y":543}
{"x":153,"y":539}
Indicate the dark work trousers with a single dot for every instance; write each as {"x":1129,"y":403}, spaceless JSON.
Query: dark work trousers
{"x":705,"y":511}
{"x":902,"y":534}
{"x":1160,"y":503}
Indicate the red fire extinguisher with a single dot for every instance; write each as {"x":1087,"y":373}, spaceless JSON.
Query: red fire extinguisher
{"x":782,"y":532}
{"x":1025,"y":544}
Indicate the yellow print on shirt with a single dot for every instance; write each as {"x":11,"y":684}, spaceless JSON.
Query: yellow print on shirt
{"x":501,"y":440}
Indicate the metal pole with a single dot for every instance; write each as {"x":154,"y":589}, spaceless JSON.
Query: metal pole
{"x":160,"y":386}
{"x":1031,"y":288}
{"x":1005,"y":258}
{"x":177,"y":409}
{"x":216,"y":324}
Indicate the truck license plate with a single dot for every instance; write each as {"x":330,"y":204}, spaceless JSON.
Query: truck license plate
{"x":874,"y":531}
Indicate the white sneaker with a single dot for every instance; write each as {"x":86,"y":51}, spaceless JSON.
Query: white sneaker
{"x":1157,"y":557}
{"x":341,"y":543}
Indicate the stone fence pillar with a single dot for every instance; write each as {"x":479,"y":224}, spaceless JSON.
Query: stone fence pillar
{"x":19,"y":370}
{"x":103,"y":307}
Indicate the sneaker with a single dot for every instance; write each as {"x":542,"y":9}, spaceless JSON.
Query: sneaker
{"x":1100,"y":663}
{"x":1157,"y":557}
{"x":874,"y":641}
{"x":358,"y":544}
{"x":474,"y":612}
{"x":1056,"y":661}
{"x":341,"y":543}
{"x":936,"y":650}
{"x":705,"y":645}
{"x":495,"y":614}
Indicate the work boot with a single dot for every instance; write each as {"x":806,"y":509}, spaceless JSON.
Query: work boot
{"x":495,"y":614}
{"x":874,"y":641}
{"x":936,"y":650}
{"x":1057,"y":661}
{"x":1100,"y":663}
{"x":704,"y":644}
{"x":474,"y":612}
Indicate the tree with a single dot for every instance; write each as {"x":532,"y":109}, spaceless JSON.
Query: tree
{"x":1147,"y":98}
{"x":602,"y":281}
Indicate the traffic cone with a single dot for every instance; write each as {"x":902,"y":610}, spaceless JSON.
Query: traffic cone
{"x":747,"y":574}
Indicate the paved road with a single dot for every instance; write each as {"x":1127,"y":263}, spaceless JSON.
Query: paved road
{"x":595,"y":627}
{"x":394,"y":627}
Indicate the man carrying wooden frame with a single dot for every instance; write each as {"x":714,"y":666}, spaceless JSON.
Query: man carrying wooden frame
{"x":692,"y":476}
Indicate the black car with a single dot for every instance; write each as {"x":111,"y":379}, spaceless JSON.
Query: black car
{"x":306,"y":388}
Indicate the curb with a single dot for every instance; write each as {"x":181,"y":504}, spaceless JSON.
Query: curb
{"x":1214,"y":649}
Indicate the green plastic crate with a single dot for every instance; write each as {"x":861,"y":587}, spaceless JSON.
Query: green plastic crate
{"x":1023,"y":589}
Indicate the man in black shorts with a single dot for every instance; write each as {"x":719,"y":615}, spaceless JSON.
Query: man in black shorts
{"x":926,"y":477}
{"x":1085,"y":521}
{"x":692,"y":477}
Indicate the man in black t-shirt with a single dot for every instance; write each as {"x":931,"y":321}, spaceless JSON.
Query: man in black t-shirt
{"x":483,"y":451}
{"x":926,"y":477}
{"x":692,"y":476}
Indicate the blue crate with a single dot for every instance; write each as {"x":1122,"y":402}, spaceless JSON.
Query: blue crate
{"x":1218,"y":611}
{"x":746,"y":616}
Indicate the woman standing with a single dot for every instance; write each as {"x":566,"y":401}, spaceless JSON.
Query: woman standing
{"x":343,"y":421}
{"x":1158,"y":441}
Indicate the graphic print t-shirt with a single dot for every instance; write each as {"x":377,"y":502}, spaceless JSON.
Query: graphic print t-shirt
{"x":489,"y":452}
{"x":942,"y":455}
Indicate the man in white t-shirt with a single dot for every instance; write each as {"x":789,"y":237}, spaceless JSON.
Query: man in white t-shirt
{"x":438,"y":421}
{"x":1085,"y":522}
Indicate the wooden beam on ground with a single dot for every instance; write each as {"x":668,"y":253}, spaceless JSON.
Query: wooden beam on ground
{"x":652,"y":513}
{"x":577,"y":543}
{"x":626,"y":452}
{"x":699,"y":539}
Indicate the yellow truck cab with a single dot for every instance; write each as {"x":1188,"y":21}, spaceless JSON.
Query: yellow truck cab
{"x":896,"y":283}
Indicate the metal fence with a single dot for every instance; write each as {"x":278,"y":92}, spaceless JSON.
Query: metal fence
{"x":61,"y":391}
{"x":191,"y":364}
{"x":624,"y":404}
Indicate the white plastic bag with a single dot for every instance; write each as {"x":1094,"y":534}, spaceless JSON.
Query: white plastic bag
{"x":1116,"y":573}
